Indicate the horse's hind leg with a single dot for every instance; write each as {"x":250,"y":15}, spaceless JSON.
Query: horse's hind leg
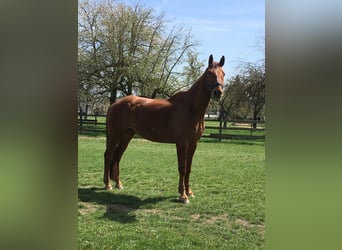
{"x":122,"y":146}
{"x":108,"y":159}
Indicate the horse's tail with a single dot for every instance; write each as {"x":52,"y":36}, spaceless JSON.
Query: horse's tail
{"x":111,"y":140}
{"x":107,"y":125}
{"x":106,"y":129}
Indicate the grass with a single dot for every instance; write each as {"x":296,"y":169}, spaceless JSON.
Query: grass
{"x":228,"y":211}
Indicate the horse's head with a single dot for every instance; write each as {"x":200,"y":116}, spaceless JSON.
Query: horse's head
{"x":215,"y":77}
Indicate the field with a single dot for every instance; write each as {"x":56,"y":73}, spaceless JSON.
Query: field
{"x":228,"y":211}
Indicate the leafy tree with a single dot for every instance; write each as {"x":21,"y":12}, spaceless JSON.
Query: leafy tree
{"x":255,"y":89}
{"x":193,"y":68}
{"x":126,"y":50}
{"x":245,"y":94}
{"x":233,"y":103}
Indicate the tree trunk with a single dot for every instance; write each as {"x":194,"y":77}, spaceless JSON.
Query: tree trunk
{"x":155,"y":93}
{"x":255,"y":118}
{"x":130,"y":88}
{"x":86,"y":111}
{"x":223,"y":117}
{"x":225,"y":123}
{"x":112,"y":97}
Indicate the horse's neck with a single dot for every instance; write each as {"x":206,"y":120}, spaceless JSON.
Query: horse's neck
{"x":199,"y":96}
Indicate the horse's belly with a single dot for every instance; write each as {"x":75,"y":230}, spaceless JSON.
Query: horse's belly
{"x":156,"y":135}
{"x":168,"y":134}
{"x":153,"y":124}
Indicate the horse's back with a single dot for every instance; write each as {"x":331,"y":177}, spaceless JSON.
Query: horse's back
{"x":131,"y":104}
{"x":151,"y":118}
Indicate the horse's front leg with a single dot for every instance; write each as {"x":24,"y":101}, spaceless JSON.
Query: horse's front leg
{"x":190,"y":154}
{"x":182,"y":148}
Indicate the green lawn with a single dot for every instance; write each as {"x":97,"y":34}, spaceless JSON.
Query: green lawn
{"x":228,"y":211}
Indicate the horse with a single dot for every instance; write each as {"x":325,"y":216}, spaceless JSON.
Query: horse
{"x":178,"y":120}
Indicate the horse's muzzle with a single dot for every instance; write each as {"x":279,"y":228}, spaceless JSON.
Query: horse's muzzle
{"x":216,"y":92}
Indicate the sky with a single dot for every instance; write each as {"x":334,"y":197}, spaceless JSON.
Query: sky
{"x":233,"y":28}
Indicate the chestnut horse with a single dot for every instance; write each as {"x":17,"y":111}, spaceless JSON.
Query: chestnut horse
{"x":179,"y":120}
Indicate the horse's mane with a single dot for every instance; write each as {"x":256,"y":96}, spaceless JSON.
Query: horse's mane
{"x":181,"y":94}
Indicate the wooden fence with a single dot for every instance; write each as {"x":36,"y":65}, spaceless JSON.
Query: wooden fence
{"x":91,"y":123}
{"x":235,"y":129}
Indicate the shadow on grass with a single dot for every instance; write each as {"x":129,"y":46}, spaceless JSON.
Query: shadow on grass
{"x":98,"y":133}
{"x":235,"y":142}
{"x":118,"y":206}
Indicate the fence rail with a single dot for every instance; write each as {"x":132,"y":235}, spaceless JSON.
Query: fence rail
{"x":237,"y":129}
{"x":91,"y":123}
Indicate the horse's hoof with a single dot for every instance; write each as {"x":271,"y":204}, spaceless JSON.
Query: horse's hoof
{"x":184,"y":200}
{"x":190,"y":194}
{"x":119,"y":186}
{"x":109,"y":187}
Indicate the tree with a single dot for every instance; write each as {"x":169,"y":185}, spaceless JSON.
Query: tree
{"x":255,"y":89}
{"x":127,"y":50}
{"x":233,"y":102}
{"x":193,"y":68}
{"x":245,"y":94}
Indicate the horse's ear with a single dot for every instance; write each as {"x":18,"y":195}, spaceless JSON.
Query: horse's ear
{"x":211,"y":59}
{"x":221,"y":63}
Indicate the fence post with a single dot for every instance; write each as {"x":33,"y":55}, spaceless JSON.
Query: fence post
{"x":220,"y":129}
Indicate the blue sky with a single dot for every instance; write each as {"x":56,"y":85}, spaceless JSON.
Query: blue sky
{"x":223,"y":27}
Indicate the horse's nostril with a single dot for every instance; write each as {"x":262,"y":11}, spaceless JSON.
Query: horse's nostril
{"x":217,"y":94}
